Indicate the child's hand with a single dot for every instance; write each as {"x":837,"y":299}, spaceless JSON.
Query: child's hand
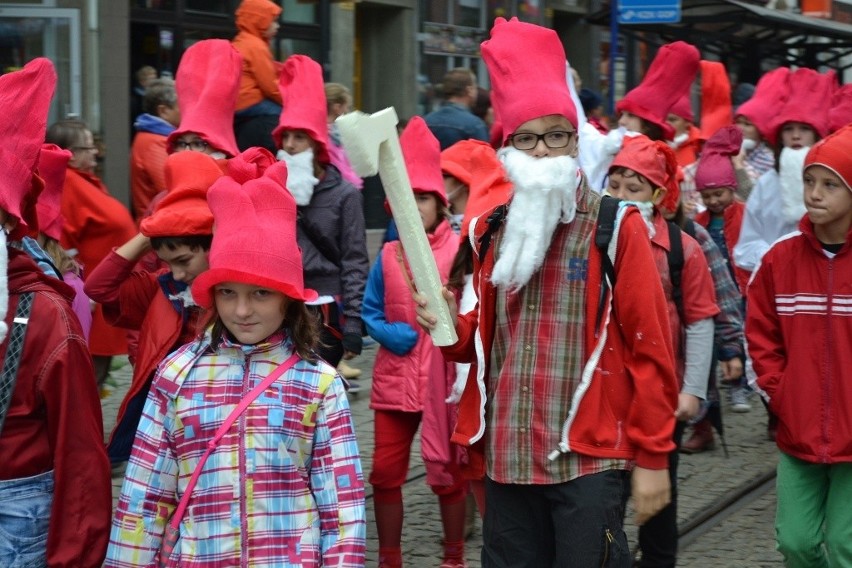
{"x":427,"y":319}
{"x":732,"y":370}
{"x":687,"y":407}
{"x":651,"y":490}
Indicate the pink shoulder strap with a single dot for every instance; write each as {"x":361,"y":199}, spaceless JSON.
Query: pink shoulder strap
{"x":177,"y":517}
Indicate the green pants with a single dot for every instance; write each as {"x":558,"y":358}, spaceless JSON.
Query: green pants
{"x":813,"y":522}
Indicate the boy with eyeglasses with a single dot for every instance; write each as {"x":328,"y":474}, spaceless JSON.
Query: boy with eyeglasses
{"x":572,"y":382}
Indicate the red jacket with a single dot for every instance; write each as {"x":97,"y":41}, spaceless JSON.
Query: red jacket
{"x":733,"y":222}
{"x":135,"y":300}
{"x":54,"y":421}
{"x":799,"y":331}
{"x":147,"y":170}
{"x":94,"y":223}
{"x":640,"y":418}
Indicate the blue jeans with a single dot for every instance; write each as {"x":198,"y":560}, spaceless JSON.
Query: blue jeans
{"x":24,"y":520}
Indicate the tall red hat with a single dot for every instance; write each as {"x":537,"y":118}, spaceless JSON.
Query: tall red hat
{"x":184,"y":212}
{"x":840,"y":113}
{"x":455,"y":160}
{"x":715,"y":168}
{"x":683,"y":107}
{"x":207,"y":84}
{"x":303,"y":98}
{"x":770,"y":96}
{"x":422,"y":154}
{"x":52,"y":164}
{"x":655,"y":161}
{"x":716,"y":105}
{"x":25,"y":97}
{"x":255,"y":238}
{"x":810,"y":99}
{"x":832,"y":152}
{"x":528,"y":73}
{"x":668,"y":79}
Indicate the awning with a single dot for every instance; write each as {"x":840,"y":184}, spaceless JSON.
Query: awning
{"x":733,"y":30}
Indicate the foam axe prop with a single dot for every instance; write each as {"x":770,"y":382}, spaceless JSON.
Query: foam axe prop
{"x":372,"y":145}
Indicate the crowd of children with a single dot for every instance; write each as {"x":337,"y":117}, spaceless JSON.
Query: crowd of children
{"x":241,"y":284}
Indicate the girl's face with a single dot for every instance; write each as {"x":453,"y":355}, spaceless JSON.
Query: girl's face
{"x":630,"y":121}
{"x":748,"y":129}
{"x":827,"y":199}
{"x":429,"y":209}
{"x":296,"y":141}
{"x":84,"y":155}
{"x":627,"y":185}
{"x":716,"y":200}
{"x":797,"y":135}
{"x":249,"y":312}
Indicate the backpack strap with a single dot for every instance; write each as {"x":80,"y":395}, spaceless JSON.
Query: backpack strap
{"x":675,"y":260}
{"x":494,"y":221}
{"x":603,"y":236}
{"x":14,"y":353}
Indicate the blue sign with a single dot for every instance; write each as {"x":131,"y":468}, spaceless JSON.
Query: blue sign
{"x":648,"y":11}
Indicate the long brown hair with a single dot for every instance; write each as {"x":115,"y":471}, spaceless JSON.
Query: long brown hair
{"x":64,"y":263}
{"x":299,"y":323}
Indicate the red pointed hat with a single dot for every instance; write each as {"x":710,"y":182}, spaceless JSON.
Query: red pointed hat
{"x":715,"y":168}
{"x":840,"y":113}
{"x":716,"y":105}
{"x":488,"y":184}
{"x":25,"y":99}
{"x":810,"y":99}
{"x":528,"y":73}
{"x":770,"y":95}
{"x":422,"y":154}
{"x":207,"y":84}
{"x":255,"y":237}
{"x":832,"y":152}
{"x":52,"y":164}
{"x":303,"y":98}
{"x":455,"y":160}
{"x":655,"y":161}
{"x":184,"y":212}
{"x":683,"y":107}
{"x":668,"y":79}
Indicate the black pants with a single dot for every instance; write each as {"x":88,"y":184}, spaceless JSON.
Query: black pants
{"x":658,"y":536}
{"x":577,"y":524}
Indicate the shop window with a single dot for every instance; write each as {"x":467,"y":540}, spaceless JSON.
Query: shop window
{"x":297,"y":12}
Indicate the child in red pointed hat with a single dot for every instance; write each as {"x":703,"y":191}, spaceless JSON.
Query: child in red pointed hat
{"x":207,"y":83}
{"x":535,"y":341}
{"x":645,"y":171}
{"x":798,"y":327}
{"x":332,"y":229}
{"x":158,"y":304}
{"x":290,"y":474}
{"x":55,"y":474}
{"x":754,"y":117}
{"x":408,"y":366}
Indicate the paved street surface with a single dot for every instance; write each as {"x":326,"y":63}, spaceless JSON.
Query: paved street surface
{"x":745,"y":539}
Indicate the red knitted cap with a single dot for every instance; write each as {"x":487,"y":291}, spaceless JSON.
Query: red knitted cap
{"x":422,"y":154}
{"x":303,"y":98}
{"x":255,"y":237}
{"x":668,"y":79}
{"x":653,"y":160}
{"x":809,"y":101}
{"x":52,"y":164}
{"x":528,"y":73}
{"x":715,"y":168}
{"x":832,"y":152}
{"x":207,"y":85}
{"x":770,"y":96}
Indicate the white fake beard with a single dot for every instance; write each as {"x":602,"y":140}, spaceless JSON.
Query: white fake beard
{"x":300,"y":175}
{"x":545,"y":194}
{"x":646,"y":209}
{"x":791,"y":162}
{"x":678,"y":140}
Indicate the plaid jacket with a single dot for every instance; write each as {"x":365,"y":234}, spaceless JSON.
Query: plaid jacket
{"x":284,"y":487}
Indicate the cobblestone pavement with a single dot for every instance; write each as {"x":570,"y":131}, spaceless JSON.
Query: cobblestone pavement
{"x":745,"y":539}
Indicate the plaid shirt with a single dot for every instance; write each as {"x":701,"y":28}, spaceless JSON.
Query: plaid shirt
{"x":759,"y":161}
{"x":537,"y":360}
{"x":284,"y":487}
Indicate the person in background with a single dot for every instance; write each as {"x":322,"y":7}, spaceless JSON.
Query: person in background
{"x":454,"y":121}
{"x":143,"y":76}
{"x":799,"y":328}
{"x":148,"y":153}
{"x":93,"y":223}
{"x":594,"y":109}
{"x":54,"y":474}
{"x":259,"y":102}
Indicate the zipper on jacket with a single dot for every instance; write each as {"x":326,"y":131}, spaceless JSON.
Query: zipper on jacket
{"x":243,"y":477}
{"x":829,"y":309}
{"x":607,"y":544}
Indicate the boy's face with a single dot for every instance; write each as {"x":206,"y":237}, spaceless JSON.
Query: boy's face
{"x":296,"y":141}
{"x":250,"y":313}
{"x":797,"y":135}
{"x":552,"y":124}
{"x":627,"y":185}
{"x":827,"y":198}
{"x":185,"y":263}
{"x":716,"y":200}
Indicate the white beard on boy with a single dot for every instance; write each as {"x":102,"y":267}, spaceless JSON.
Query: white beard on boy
{"x":300,"y":175}
{"x":791,"y":162}
{"x":544,"y":194}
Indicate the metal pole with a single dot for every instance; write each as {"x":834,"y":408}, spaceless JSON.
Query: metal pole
{"x":613,"y":51}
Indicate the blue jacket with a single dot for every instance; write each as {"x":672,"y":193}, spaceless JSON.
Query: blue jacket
{"x":453,"y":122}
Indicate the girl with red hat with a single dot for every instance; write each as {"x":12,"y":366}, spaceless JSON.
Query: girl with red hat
{"x":246,"y":452}
{"x":93,"y":223}
{"x":645,"y":172}
{"x":410,"y":377}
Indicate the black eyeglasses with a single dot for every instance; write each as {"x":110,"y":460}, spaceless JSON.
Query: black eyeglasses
{"x":196,"y":145}
{"x":553,"y":139}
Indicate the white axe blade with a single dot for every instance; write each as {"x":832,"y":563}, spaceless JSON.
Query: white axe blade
{"x":372,"y":145}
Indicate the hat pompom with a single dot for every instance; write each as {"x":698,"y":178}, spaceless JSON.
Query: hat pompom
{"x":250,"y":164}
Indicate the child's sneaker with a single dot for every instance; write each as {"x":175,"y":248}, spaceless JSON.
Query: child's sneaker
{"x":739,"y":399}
